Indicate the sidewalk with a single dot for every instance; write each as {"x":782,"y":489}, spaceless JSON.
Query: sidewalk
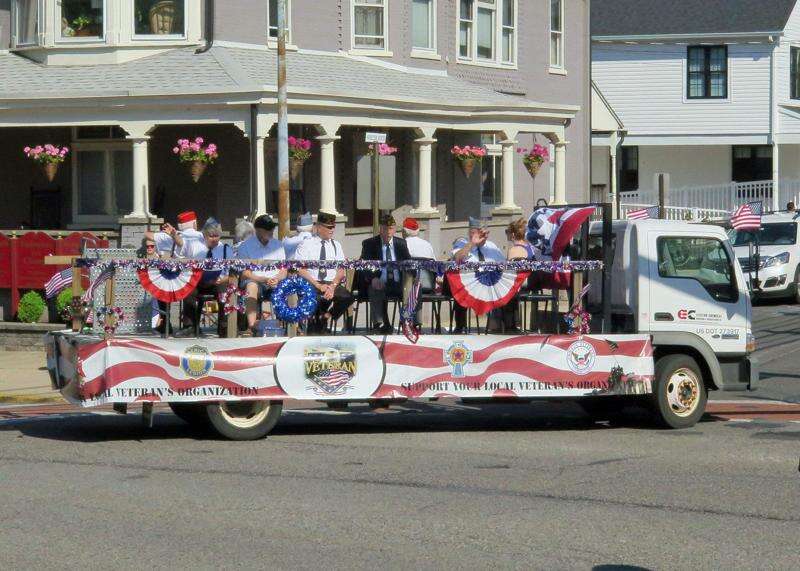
{"x":24,"y":378}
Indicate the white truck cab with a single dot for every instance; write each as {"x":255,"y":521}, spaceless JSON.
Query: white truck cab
{"x":778,"y":260}
{"x":680,"y":283}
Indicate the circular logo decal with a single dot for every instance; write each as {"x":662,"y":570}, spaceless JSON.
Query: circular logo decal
{"x":580,"y":357}
{"x":196,"y":361}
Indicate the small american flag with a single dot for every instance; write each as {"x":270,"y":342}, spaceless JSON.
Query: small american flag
{"x":107,"y":273}
{"x":58,"y":282}
{"x":649,"y":213}
{"x":748,"y":216}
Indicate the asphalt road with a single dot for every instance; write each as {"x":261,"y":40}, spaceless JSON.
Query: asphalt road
{"x":426,"y":486}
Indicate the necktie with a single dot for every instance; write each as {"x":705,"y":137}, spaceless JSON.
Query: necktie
{"x":481,"y":257}
{"x":323,"y":273}
{"x":210,"y":254}
{"x":390,"y":277}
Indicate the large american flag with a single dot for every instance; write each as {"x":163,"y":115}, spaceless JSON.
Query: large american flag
{"x":748,"y":216}
{"x":58,"y":282}
{"x":649,"y":213}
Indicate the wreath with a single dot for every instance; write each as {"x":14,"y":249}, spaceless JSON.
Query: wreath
{"x":306,"y":300}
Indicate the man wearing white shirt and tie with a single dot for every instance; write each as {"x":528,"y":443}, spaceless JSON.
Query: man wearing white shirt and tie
{"x":475,"y":248}
{"x":333,"y":297}
{"x":262,"y":246}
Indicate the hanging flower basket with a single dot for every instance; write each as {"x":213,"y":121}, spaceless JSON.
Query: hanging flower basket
{"x":299,"y":153}
{"x":196,"y":169}
{"x":468,"y":157}
{"x":197,"y":155}
{"x":384,"y":150}
{"x":49,"y":156}
{"x":534,"y":159}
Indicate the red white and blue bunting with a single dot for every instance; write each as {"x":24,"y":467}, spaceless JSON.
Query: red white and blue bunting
{"x":485,"y":290}
{"x":169,"y":284}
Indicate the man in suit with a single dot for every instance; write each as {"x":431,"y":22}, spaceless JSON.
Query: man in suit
{"x":388,"y":282}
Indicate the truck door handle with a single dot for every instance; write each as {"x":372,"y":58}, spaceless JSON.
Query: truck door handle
{"x":664,"y":317}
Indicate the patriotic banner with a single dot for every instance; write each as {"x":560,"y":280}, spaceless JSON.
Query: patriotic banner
{"x":486,"y":290}
{"x":58,"y":282}
{"x":552,"y":229}
{"x":169,"y":285}
{"x":127,"y":370}
{"x":106,"y":274}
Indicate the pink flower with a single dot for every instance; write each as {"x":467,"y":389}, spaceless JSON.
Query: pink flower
{"x":212,"y":148}
{"x":194,"y":147}
{"x":176,"y":150}
{"x":306,"y":145}
{"x":199,"y":140}
{"x":292,"y":140}
{"x":26,"y":150}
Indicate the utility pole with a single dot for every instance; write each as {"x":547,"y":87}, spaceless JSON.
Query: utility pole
{"x":283,"y":127}
{"x":376,"y":188}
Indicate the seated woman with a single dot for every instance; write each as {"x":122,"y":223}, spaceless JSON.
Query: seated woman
{"x":518,"y":249}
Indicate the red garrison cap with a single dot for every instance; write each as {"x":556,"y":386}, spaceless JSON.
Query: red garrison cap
{"x":411,"y":224}
{"x":187,"y":216}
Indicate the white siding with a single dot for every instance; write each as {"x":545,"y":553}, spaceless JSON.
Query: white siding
{"x":687,"y":166}
{"x":646,"y":86}
{"x":788,"y":120}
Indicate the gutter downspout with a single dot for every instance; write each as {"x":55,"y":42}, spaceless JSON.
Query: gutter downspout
{"x":209,"y":26}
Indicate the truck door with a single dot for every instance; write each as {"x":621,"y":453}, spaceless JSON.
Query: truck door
{"x":694,"y":288}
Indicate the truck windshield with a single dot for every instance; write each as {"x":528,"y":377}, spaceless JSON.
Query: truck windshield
{"x":778,"y":234}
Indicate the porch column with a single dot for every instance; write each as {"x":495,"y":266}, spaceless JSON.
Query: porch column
{"x":141,"y":178}
{"x":560,"y":192}
{"x":328,"y":173}
{"x":424,"y":201}
{"x":261,"y":176}
{"x":507,"y":190}
{"x":776,"y":177}
{"x":612,"y":150}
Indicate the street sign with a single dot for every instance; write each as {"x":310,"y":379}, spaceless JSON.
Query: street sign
{"x":375,"y":138}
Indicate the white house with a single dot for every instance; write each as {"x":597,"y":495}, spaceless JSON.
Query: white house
{"x":708,"y":92}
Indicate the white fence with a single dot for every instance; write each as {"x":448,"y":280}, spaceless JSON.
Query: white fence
{"x":714,"y":201}
{"x":678,"y":212}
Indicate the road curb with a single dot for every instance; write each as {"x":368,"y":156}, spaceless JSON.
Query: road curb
{"x":10,"y":398}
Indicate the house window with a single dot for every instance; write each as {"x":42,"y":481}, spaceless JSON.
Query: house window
{"x":159,"y":18}
{"x":104,"y":180}
{"x":423,"y":24}
{"x":629,"y":169}
{"x":483,"y":25}
{"x":25,"y":22}
{"x":795,"y":72}
{"x":707,"y":72}
{"x":751,"y":163}
{"x":81,"y":18}
{"x":491,"y":174}
{"x":369,"y":24}
{"x":272,"y":19}
{"x":557,"y":34}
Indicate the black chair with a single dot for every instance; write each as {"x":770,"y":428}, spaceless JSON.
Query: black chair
{"x":428,"y":295}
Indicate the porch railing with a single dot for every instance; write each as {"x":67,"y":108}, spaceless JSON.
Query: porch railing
{"x":718,"y":198}
{"x":679,"y":212}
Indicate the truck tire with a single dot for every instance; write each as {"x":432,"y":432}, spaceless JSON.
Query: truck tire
{"x":796,"y":297}
{"x":244,"y":420}
{"x":191,"y":413}
{"x":679,"y":392}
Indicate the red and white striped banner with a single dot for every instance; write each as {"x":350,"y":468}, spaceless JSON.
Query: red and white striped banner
{"x":125,"y":370}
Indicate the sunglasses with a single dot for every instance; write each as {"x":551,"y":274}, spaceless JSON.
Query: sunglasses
{"x":150,"y":246}
{"x":329,"y":226}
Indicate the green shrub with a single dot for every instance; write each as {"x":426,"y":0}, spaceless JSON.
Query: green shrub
{"x":63,"y":301}
{"x":31,"y":307}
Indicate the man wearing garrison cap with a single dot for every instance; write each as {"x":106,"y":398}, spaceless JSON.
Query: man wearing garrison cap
{"x":417,"y":247}
{"x":334,"y":298}
{"x":170,"y":241}
{"x":387,"y":283}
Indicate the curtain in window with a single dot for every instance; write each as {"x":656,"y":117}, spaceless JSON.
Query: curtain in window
{"x":556,"y":34}
{"x":508,"y":30}
{"x":485,"y":33}
{"x":465,"y":28}
{"x":422,"y":24}
{"x":795,"y":73}
{"x":368,"y":24}
{"x":26,"y":21}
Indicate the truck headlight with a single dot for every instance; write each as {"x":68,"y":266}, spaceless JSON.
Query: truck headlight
{"x":774,"y":261}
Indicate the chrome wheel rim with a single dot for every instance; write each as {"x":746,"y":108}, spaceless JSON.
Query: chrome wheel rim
{"x":683,"y":392}
{"x":244,"y":414}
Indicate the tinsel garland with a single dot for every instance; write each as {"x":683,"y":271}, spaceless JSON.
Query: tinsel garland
{"x":435,"y":266}
{"x":225,"y":299}
{"x":306,"y":300}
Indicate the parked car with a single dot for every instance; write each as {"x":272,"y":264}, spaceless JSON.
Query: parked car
{"x":774,"y":249}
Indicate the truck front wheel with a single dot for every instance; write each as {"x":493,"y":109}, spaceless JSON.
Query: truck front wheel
{"x":679,"y":393}
{"x":244,"y":420}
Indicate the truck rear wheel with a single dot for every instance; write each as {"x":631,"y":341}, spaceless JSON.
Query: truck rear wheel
{"x":192,"y":413}
{"x":244,"y":420}
{"x":679,"y":392}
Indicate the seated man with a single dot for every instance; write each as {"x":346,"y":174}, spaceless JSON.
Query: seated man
{"x":213,"y":281}
{"x":334,"y":298}
{"x":387,"y":283}
{"x":475,"y":248}
{"x":261,"y":246}
{"x":418,"y":247}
